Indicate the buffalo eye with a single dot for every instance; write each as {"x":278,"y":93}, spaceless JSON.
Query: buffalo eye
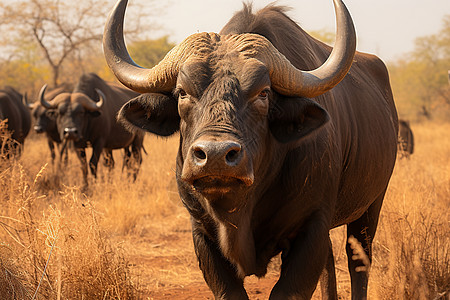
{"x":261,"y":102}
{"x":264,"y":94}
{"x":182,"y":93}
{"x":184,"y":102}
{"x":50,"y":114}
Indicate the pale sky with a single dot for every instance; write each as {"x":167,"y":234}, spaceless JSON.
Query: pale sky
{"x":386,"y":28}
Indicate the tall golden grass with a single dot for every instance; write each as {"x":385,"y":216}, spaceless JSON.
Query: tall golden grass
{"x":131,"y":240}
{"x":412,"y":258}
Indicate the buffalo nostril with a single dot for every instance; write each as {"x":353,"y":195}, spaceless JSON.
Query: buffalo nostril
{"x":217,"y":153}
{"x":199,"y":154}
{"x":232,"y":156}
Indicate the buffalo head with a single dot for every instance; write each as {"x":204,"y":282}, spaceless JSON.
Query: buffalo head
{"x":72,"y":112}
{"x":233,"y":97}
{"x":45,"y":119}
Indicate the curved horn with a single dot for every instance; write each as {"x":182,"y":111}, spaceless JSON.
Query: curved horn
{"x":90,"y":104}
{"x":290,"y":81}
{"x":101,"y":97}
{"x":44,"y":102}
{"x":25,"y":101}
{"x":160,"y":78}
{"x":286,"y":79}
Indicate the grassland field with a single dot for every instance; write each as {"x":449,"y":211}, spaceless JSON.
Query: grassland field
{"x":131,"y":240}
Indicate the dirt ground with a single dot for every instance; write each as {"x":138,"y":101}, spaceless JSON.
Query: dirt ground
{"x":166,"y":267}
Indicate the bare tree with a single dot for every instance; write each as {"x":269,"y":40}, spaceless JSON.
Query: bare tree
{"x":63,"y":30}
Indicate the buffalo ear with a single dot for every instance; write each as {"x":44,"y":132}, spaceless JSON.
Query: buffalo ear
{"x":153,"y":112}
{"x":291,"y":119}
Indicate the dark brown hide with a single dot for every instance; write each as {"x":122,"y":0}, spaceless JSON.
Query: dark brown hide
{"x":45,"y":122}
{"x":80,"y":120}
{"x":405,"y":139}
{"x":19,"y":120}
{"x":263,"y":171}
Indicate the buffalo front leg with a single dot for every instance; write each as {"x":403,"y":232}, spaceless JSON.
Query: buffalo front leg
{"x":97,"y":149}
{"x":126,"y":158}
{"x":108,"y":159}
{"x":63,"y":153}
{"x":328,"y":277}
{"x":51,"y":146}
{"x":304,"y":261}
{"x":219,"y":273}
{"x":137,"y":159}
{"x":133,"y":158}
{"x":363,"y":230}
{"x":81,"y":154}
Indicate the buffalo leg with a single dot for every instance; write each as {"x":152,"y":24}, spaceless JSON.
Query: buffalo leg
{"x":66,"y":156}
{"x":363,"y":229}
{"x":328,"y":277}
{"x":304,"y":261}
{"x":133,"y":159}
{"x":97,"y":149}
{"x":51,"y":146}
{"x":108,"y":159}
{"x":63,"y":153}
{"x":137,"y":159}
{"x":81,"y":154}
{"x":219,"y":274}
{"x":126,"y":158}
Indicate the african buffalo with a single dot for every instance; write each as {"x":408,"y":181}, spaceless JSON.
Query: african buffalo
{"x":271,"y":157}
{"x":405,"y":139}
{"x":45,"y":122}
{"x":87,"y":116}
{"x":19,"y":120}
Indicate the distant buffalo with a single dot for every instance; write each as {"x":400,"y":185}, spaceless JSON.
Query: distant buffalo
{"x":405,"y":139}
{"x":45,"y":122}
{"x":87,"y":116}
{"x":18,"y":119}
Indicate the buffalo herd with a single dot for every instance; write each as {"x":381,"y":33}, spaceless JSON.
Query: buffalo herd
{"x":79,"y":117}
{"x":282,"y":138}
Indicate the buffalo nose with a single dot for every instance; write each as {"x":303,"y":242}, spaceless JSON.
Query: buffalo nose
{"x":38,"y":129}
{"x":226,"y":152}
{"x":70,"y":132}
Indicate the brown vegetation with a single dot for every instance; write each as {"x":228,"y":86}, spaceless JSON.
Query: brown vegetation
{"x":124,"y":240}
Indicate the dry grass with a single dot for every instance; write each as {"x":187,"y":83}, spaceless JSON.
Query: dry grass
{"x":412,"y":258}
{"x":12,"y":279}
{"x":56,"y":245}
{"x":125,"y":240}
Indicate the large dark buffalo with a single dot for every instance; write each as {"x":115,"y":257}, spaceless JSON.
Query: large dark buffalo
{"x":12,"y":108}
{"x":87,"y":116}
{"x":45,"y":122}
{"x":271,"y":157}
{"x":405,"y":139}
